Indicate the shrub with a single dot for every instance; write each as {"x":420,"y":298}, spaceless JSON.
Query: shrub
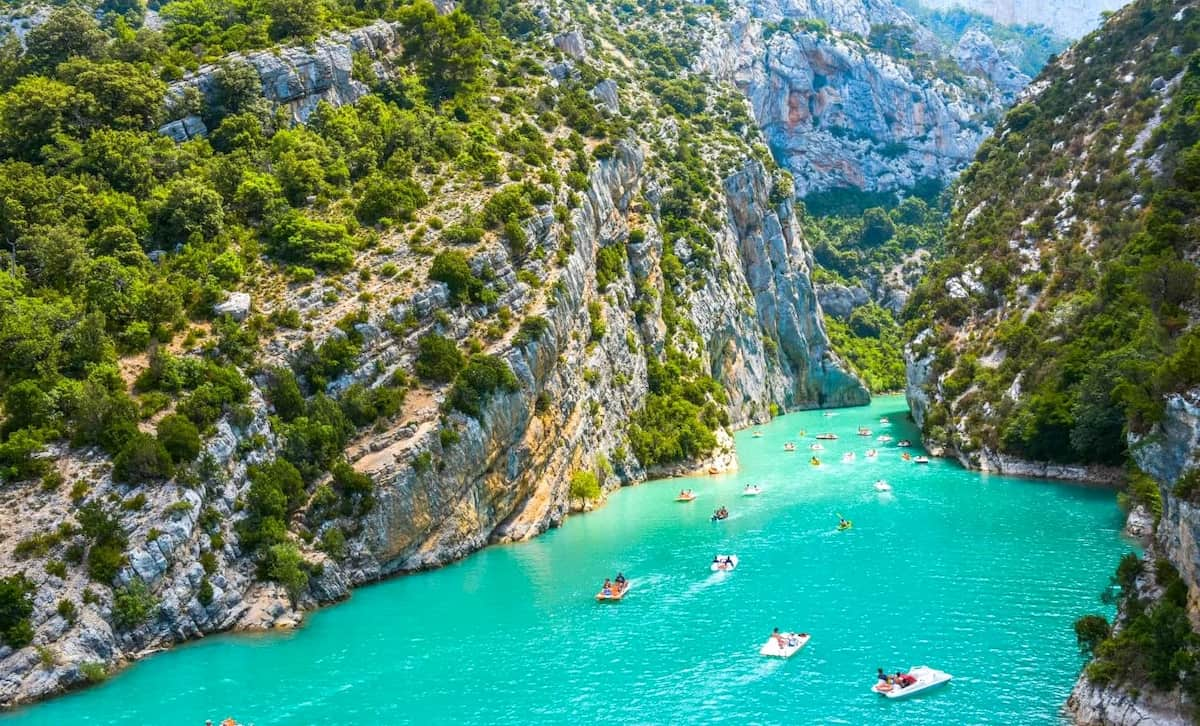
{"x":610,"y":265}
{"x":133,"y":605}
{"x":458,"y":234}
{"x":383,"y":197}
{"x":275,"y":489}
{"x":475,"y":384}
{"x":1090,"y":631}
{"x":205,"y":594}
{"x":438,"y":358}
{"x":68,"y":610}
{"x":93,"y":672}
{"x":106,"y":554}
{"x":180,"y":438}
{"x":16,"y":605}
{"x":142,"y":459}
{"x":452,"y":268}
{"x":584,"y":485}
{"x":285,"y":565}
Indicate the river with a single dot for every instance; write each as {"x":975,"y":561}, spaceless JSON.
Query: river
{"x":981,"y":576}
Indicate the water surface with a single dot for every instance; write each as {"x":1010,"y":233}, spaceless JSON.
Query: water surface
{"x":981,"y":576}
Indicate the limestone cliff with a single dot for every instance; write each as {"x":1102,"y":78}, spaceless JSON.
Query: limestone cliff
{"x":1070,"y":18}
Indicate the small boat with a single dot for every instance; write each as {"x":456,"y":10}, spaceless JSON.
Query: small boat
{"x":864,"y":431}
{"x":817,"y":447}
{"x":906,"y":456}
{"x":826,"y":437}
{"x":847,"y":457}
{"x":751,"y":490}
{"x":845,"y":525}
{"x":872,"y":453}
{"x":921,"y":460}
{"x":829,"y":414}
{"x":789,"y":446}
{"x":904,"y":443}
{"x":757,"y":434}
{"x":686,"y":496}
{"x":884,"y":421}
{"x":613,"y":593}
{"x":884,"y":438}
{"x":882,"y":486}
{"x":720,"y":515}
{"x":922,"y":678}
{"x":785,"y":645}
{"x":814,"y":461}
{"x":724,"y":563}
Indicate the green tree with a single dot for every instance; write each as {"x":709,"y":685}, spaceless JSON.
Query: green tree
{"x":180,"y":438}
{"x":294,"y":18}
{"x":447,"y":49}
{"x":143,"y":458}
{"x":69,"y":32}
{"x":438,"y":358}
{"x":285,"y":565}
{"x":16,"y":605}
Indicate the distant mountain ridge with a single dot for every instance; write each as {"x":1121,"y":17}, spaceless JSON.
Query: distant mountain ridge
{"x":1070,"y":18}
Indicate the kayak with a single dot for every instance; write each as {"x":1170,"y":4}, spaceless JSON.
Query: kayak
{"x":722,"y":566}
{"x":927,"y":678}
{"x":792,"y":643}
{"x":613,"y":594}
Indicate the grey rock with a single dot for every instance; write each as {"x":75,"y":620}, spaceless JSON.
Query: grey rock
{"x":236,"y":306}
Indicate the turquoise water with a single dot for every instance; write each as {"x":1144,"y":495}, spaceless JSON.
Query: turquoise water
{"x":979,"y":576}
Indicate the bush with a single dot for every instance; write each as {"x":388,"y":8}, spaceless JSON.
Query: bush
{"x":142,"y":459}
{"x":107,"y":552}
{"x":1090,"y":631}
{"x":532,"y":328}
{"x":482,"y":376}
{"x":610,"y":265}
{"x":285,"y":565}
{"x":452,"y":268}
{"x":275,"y":489}
{"x":133,"y":605}
{"x":383,"y":197}
{"x":93,"y":672}
{"x":584,"y":485}
{"x":438,"y":358}
{"x":458,"y":234}
{"x":180,"y":438}
{"x":16,"y":605}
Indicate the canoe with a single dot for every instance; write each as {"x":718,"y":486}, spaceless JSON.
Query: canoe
{"x":793,"y":642}
{"x":927,"y":678}
{"x":613,"y":595}
{"x":721,"y":566}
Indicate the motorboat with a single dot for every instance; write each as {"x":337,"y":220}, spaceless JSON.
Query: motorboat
{"x":826,"y":437}
{"x":751,"y":490}
{"x":882,"y":486}
{"x":872,"y":453}
{"x":922,"y":678}
{"x":817,"y":447}
{"x":921,"y":460}
{"x":686,"y":496}
{"x":904,"y":443}
{"x":789,"y":446}
{"x":847,"y":457}
{"x":613,"y":593}
{"x":724,"y":563}
{"x":784,"y":645}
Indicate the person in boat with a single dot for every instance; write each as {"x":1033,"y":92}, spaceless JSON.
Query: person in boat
{"x":883,"y":677}
{"x":905,"y":680}
{"x":728,"y":560}
{"x":779,"y":639}
{"x":621,"y":580}
{"x":843,"y":523}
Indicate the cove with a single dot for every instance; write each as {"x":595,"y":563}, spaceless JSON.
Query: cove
{"x":981,"y":576}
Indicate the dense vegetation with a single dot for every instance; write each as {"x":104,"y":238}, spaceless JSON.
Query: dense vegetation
{"x":1085,"y":300}
{"x":877,"y":247}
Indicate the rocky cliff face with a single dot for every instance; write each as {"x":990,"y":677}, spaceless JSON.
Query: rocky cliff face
{"x":849,"y":94}
{"x":293,"y":78}
{"x":1069,"y":18}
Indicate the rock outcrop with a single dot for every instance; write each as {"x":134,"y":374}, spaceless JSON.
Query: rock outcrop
{"x":294,"y":78}
{"x":839,"y":113}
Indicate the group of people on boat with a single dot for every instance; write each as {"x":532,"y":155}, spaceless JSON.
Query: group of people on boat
{"x":721,"y":513}
{"x":785,"y":640}
{"x":725,"y":560}
{"x":900,"y":680}
{"x":614,"y":587}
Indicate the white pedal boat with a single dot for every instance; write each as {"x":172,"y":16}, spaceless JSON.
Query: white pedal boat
{"x":792,"y":643}
{"x":927,"y":678}
{"x":882,"y":486}
{"x":752,"y":491}
{"x":847,"y":457}
{"x":725,"y":563}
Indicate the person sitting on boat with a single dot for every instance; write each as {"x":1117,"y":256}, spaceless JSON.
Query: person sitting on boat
{"x":728,"y":560}
{"x":621,"y":580}
{"x":778,"y":636}
{"x":905,"y":680}
{"x":882,"y":676}
{"x":843,"y":523}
